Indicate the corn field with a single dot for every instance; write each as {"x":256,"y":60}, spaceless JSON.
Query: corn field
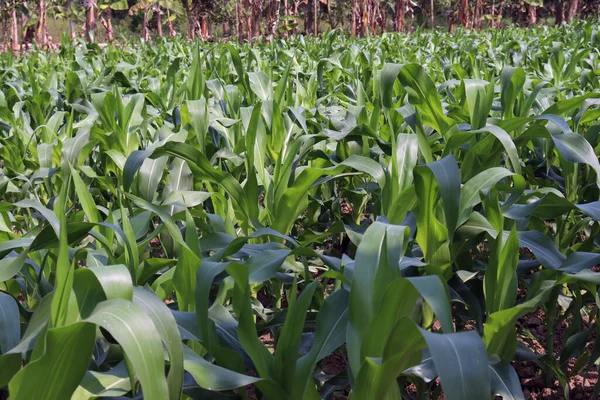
{"x":217,"y":221}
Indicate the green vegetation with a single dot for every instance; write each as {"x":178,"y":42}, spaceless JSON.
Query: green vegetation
{"x":402,"y":200}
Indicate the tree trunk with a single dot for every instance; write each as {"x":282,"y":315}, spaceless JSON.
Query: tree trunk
{"x":107,"y":24}
{"x":399,"y":15}
{"x":354,"y":17}
{"x":477,"y":14}
{"x":432,"y":14}
{"x":383,"y":17}
{"x":145,"y":29}
{"x":308,"y":20}
{"x":572,"y":10}
{"x":269,"y":17}
{"x":71,"y":23}
{"x":90,"y":20}
{"x":364,"y":17}
{"x":170,"y":24}
{"x":559,"y":12}
{"x":463,"y":12}
{"x":239,"y":22}
{"x":190,"y":18}
{"x":14,"y":28}
{"x":316,"y":5}
{"x":286,"y":13}
{"x":159,"y":29}
{"x":275,"y":10}
{"x":372,"y":17}
{"x":296,"y":15}
{"x":249,"y":25}
{"x":42,"y":29}
{"x":531,"y":14}
{"x":256,"y":17}
{"x":204,"y":27}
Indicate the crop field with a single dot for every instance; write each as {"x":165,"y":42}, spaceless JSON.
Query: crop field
{"x":389,"y":217}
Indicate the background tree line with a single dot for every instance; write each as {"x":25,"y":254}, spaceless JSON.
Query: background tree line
{"x":26,"y":21}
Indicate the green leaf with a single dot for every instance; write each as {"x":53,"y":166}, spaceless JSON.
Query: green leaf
{"x":58,"y":371}
{"x":500,"y":282}
{"x":65,"y":270}
{"x":260,"y":85}
{"x":469,"y":193}
{"x":387,"y":77}
{"x":461,"y":362}
{"x":375,"y":267}
{"x":286,"y":350}
{"x":167,"y":328}
{"x":115,"y":281}
{"x":423,"y":95}
{"x":140,"y":340}
{"x":213,"y":377}
{"x":505,"y":381}
{"x":10,"y":324}
{"x":114,"y":382}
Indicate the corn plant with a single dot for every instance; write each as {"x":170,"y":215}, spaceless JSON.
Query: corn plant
{"x":194,"y":220}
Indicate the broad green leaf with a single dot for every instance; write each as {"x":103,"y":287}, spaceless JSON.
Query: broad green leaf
{"x":461,"y":362}
{"x":129,"y":325}
{"x":58,"y":371}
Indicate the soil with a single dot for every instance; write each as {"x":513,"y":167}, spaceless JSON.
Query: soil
{"x":581,"y":386}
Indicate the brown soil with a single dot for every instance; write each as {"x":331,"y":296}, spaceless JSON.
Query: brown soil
{"x":581,"y":386}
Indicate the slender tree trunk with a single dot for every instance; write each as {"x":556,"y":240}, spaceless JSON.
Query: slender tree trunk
{"x":572,"y":10}
{"x":145,"y":29}
{"x":531,"y":15}
{"x":256,"y":16}
{"x":463,"y":12}
{"x":383,"y":17}
{"x":372,"y":17}
{"x":308,"y":22}
{"x":190,"y":18}
{"x":316,"y":5}
{"x":354,"y":17}
{"x":269,"y":17}
{"x":90,"y":20}
{"x":107,"y":24}
{"x":276,"y":8}
{"x":204,"y":27}
{"x":226,"y":28}
{"x":296,"y":15}
{"x":6,"y":32}
{"x":560,"y":12}
{"x":399,"y":16}
{"x":432,"y":14}
{"x":170,"y":24}
{"x":286,"y":13}
{"x":477,"y":14}
{"x":71,"y":23}
{"x":14,"y":28}
{"x":364,"y":17}
{"x":249,"y":25}
{"x":42,"y":29}
{"x":159,"y":14}
{"x":239,"y":22}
